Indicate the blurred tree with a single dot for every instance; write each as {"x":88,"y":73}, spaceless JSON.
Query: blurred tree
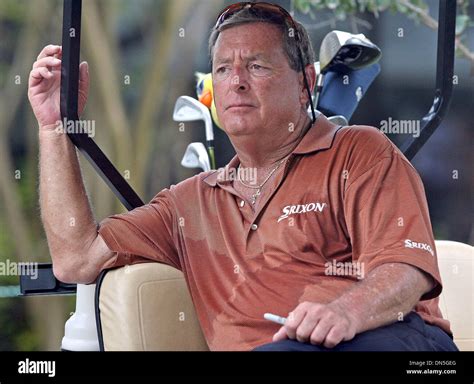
{"x":417,"y":10}
{"x":17,"y":189}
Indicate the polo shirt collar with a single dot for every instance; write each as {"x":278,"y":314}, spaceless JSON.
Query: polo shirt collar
{"x":218,"y":176}
{"x":320,"y":136}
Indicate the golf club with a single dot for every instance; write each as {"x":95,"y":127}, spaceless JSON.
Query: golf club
{"x":196,"y":157}
{"x":190,"y":109}
{"x":338,"y":120}
{"x":340,"y":51}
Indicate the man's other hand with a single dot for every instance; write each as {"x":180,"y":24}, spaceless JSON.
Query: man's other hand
{"x":319,"y":324}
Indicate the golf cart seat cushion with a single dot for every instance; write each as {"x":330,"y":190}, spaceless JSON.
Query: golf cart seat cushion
{"x":146,"y":307}
{"x":456,"y":265}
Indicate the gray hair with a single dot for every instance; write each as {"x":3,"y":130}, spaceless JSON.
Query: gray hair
{"x":250,"y":15}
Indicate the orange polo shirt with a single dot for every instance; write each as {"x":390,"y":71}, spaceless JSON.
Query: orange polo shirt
{"x":345,"y":202}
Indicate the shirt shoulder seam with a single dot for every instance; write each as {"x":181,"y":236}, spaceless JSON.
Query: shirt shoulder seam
{"x":372,"y":166}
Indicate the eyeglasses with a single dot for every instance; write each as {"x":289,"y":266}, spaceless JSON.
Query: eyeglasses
{"x":268,"y":10}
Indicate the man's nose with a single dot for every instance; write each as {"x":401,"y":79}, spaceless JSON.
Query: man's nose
{"x":238,"y":79}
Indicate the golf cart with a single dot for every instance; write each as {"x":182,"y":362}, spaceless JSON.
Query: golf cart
{"x":147,"y":306}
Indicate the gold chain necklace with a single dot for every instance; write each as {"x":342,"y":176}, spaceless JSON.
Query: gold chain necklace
{"x":259,"y":187}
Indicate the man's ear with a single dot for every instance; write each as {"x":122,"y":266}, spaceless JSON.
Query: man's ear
{"x":311,"y":77}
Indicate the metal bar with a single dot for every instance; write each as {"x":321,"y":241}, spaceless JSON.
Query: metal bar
{"x":69,"y":101}
{"x":444,"y":79}
{"x":44,"y":283}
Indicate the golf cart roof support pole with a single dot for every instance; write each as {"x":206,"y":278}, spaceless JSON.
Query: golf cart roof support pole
{"x":71,"y":43}
{"x":444,"y":78}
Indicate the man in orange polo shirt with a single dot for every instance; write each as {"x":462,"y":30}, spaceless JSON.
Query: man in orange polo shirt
{"x":326,"y":225}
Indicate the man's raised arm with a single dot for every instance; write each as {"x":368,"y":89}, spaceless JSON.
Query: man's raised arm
{"x":76,"y":249}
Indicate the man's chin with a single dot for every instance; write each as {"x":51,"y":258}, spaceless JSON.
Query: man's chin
{"x":240,"y":129}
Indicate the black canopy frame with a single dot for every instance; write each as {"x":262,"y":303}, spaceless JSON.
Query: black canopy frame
{"x":444,"y":79}
{"x":71,"y":46}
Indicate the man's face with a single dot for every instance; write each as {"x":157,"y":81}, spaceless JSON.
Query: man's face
{"x":255,"y":90}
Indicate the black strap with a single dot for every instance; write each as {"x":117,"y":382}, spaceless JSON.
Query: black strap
{"x":98,"y":319}
{"x":444,"y":79}
{"x":71,"y":46}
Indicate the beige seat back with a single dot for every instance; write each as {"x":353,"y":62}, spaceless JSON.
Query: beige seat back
{"x":456,"y":264}
{"x":147,"y":307}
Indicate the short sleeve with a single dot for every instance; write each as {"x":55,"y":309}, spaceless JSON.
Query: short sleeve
{"x":144,"y":234}
{"x":388,"y":219}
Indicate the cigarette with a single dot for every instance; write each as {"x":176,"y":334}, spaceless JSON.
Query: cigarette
{"x":275,"y":318}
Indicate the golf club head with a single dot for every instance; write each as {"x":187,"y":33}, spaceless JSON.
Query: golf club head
{"x":190,"y":109}
{"x":338,"y":120}
{"x":196,"y":157}
{"x":345,"y":50}
{"x":343,"y":91}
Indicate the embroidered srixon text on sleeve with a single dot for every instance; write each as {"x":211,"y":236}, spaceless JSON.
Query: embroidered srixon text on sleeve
{"x":423,"y":246}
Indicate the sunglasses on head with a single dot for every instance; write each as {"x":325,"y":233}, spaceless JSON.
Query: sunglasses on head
{"x":268,"y":10}
{"x":262,"y":7}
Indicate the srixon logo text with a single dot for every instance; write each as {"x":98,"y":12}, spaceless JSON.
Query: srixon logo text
{"x":301,"y":208}
{"x":414,"y":244}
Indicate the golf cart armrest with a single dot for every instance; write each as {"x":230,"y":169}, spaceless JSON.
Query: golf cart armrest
{"x":43,"y":282}
{"x":145,"y":307}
